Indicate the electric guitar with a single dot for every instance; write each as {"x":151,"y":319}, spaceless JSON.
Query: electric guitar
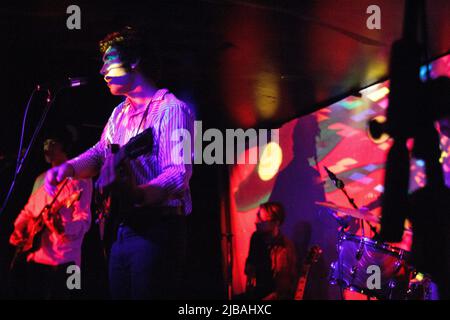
{"x":312,"y":257}
{"x":36,"y":225}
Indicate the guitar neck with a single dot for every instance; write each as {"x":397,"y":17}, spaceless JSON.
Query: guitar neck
{"x":119,"y":156}
{"x":302,"y":283}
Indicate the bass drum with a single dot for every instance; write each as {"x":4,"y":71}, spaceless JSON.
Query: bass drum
{"x":372,"y":268}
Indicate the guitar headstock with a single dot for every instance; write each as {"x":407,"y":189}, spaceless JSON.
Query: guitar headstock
{"x":314,"y":254}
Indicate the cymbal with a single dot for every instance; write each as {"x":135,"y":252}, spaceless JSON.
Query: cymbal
{"x":358,"y":214}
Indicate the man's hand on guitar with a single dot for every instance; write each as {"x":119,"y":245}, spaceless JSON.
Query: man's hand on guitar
{"x":126,"y":183}
{"x":55,"y":175}
{"x":53,"y":221}
{"x":119,"y":180}
{"x":20,"y":233}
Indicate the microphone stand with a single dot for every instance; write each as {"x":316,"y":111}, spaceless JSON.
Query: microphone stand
{"x":352,"y":202}
{"x":341,"y":186}
{"x":21,"y":159}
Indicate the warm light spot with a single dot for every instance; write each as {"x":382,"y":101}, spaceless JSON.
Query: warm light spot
{"x":270,"y":161}
{"x":376,"y":69}
{"x":116,"y":70}
{"x":266,"y":94}
{"x":419,"y":276}
{"x":343,"y":165}
{"x":444,"y":155}
{"x":384,"y":146}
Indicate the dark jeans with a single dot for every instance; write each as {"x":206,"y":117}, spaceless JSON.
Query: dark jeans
{"x":147,"y":259}
{"x":38,"y":281}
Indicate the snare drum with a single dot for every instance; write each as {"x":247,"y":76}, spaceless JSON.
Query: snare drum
{"x":369,"y":267}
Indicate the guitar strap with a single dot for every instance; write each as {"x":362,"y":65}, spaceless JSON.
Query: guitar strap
{"x":109,"y":224}
{"x":144,"y":115}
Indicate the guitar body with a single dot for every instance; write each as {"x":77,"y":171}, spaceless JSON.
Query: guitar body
{"x":312,"y":257}
{"x":36,"y":225}
{"x":32,"y":242}
{"x":109,"y":201}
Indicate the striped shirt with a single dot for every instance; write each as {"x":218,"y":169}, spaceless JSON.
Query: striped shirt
{"x":165,"y":114}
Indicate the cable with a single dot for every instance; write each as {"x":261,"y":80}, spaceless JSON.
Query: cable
{"x":22,"y":133}
{"x":38,"y":128}
{"x":19,"y":153}
{"x":21,"y":159}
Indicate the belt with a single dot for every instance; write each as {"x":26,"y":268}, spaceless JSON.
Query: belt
{"x":156,"y":211}
{"x":145,"y":216}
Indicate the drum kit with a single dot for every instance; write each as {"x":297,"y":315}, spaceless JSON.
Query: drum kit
{"x":371,"y":267}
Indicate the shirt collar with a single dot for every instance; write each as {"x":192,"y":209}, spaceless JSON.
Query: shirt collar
{"x":158,"y":96}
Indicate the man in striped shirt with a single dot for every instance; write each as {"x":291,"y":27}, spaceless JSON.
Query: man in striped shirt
{"x":147,"y":256}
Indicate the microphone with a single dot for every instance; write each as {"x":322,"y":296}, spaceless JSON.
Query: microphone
{"x":338,"y":182}
{"x":70,"y":82}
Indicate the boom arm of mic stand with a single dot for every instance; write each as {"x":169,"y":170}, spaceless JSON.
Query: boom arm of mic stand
{"x":352,"y":202}
{"x":20,"y":161}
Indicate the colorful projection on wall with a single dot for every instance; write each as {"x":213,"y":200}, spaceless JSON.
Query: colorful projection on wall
{"x":293,"y":173}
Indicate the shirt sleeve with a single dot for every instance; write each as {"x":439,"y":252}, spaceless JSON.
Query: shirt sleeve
{"x":175,"y":151}
{"x":38,"y":182}
{"x":27,"y":212}
{"x":90,"y":162}
{"x":32,"y":208}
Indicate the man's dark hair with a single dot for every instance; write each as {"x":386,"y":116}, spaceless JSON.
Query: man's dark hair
{"x":275,"y":209}
{"x":132,"y":47}
{"x":63,"y":136}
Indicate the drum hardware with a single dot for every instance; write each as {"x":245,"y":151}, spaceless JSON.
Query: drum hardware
{"x":350,"y":270}
{"x":392,"y":284}
{"x":356,"y":254}
{"x":341,"y":186}
{"x":397,"y":266}
{"x":353,"y":271}
{"x":360,"y":251}
{"x":353,"y":213}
